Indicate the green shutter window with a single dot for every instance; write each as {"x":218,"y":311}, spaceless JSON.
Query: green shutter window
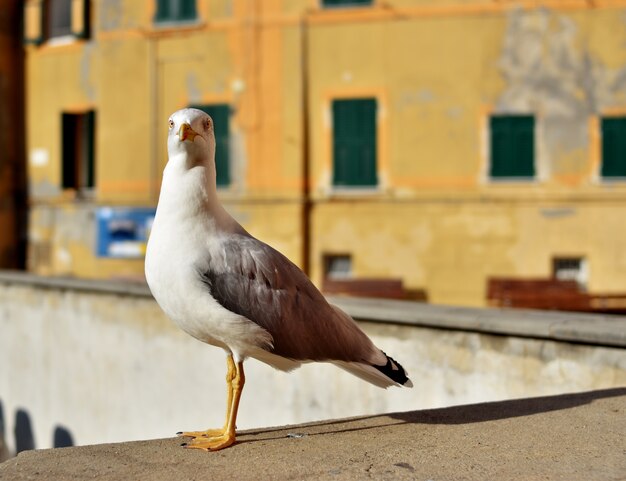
{"x":220,"y":113}
{"x":345,"y":3}
{"x":89,"y":156}
{"x":78,"y":150}
{"x":56,"y":18}
{"x":512,"y":146}
{"x":354,"y":143}
{"x":613,"y":147}
{"x":175,"y":10}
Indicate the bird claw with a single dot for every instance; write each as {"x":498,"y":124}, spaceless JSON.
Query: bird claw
{"x":211,"y":444}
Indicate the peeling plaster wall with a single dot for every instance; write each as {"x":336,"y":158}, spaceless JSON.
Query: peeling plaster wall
{"x":550,"y":67}
{"x":437,"y":221}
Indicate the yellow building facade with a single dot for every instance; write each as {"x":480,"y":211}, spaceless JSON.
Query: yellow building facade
{"x":437,"y":142}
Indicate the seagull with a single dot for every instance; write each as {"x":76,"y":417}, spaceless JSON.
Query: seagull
{"x":228,"y":289}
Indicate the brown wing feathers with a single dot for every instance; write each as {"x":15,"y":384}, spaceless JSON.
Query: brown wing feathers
{"x":262,"y":285}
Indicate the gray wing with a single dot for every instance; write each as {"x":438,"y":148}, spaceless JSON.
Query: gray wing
{"x":254,"y":280}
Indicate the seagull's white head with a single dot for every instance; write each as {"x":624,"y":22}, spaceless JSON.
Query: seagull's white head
{"x":191,"y":138}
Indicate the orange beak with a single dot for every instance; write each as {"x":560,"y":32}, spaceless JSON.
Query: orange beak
{"x":186,"y":132}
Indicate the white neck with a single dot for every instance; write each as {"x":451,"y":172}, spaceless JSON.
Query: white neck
{"x":191,"y":193}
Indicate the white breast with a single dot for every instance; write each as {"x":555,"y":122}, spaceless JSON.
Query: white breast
{"x":178,"y":246}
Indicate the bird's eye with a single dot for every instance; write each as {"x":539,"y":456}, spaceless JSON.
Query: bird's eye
{"x":207,"y":124}
{"x":171,"y":123}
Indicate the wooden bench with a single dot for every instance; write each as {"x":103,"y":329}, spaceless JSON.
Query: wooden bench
{"x":551,"y":294}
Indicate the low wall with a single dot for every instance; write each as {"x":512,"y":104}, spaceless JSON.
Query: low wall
{"x":573,"y":437}
{"x":93,"y":362}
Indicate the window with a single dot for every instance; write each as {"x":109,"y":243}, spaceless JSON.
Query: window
{"x":613,"y":147}
{"x":570,"y":269}
{"x":59,"y":18}
{"x":512,"y":146}
{"x":56,"y":19}
{"x":78,"y":150}
{"x":175,"y":10}
{"x":220,"y":113}
{"x":337,"y":266}
{"x":354,"y":143}
{"x":345,"y":3}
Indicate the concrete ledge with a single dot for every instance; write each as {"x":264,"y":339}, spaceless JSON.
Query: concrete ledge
{"x":121,"y":287}
{"x":594,"y":329}
{"x":573,"y":437}
{"x":598,"y":329}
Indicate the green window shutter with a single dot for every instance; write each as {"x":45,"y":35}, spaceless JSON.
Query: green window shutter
{"x":345,"y":3}
{"x":512,"y":146}
{"x":187,"y":10}
{"x":175,"y":10}
{"x":89,"y":156}
{"x":56,"y":18}
{"x":613,"y":147}
{"x":163,"y":13}
{"x":354,"y":143}
{"x":220,"y":113}
{"x":524,"y":129}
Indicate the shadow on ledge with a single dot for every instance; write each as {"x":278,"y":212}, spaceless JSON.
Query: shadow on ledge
{"x":463,"y":414}
{"x":493,"y":411}
{"x":573,"y":436}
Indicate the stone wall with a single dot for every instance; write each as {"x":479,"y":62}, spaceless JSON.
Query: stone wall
{"x":93,"y":362}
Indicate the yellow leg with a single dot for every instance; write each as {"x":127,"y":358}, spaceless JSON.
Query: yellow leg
{"x":227,"y":437}
{"x":211,"y":433}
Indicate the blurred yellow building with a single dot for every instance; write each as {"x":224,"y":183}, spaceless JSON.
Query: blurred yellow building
{"x":437,"y":142}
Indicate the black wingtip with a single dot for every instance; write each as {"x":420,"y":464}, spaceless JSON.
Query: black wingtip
{"x":394,"y":371}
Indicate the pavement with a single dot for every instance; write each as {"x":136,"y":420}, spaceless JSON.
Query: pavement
{"x":567,"y":437}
